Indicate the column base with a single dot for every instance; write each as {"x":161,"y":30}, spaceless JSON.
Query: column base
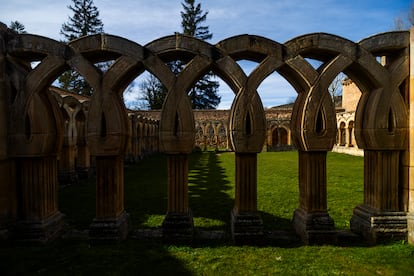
{"x":41,"y":231}
{"x":109,"y":230}
{"x":83,"y":173}
{"x":314,"y":228}
{"x":178,"y":227}
{"x":67,"y":178}
{"x":379,"y":227}
{"x":246,"y":227}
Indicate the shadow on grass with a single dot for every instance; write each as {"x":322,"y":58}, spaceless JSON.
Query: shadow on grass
{"x":146,"y":191}
{"x":145,"y":201}
{"x":77,"y":257}
{"x":209,"y":192}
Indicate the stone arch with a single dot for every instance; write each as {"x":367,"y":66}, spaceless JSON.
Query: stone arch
{"x":280,"y":136}
{"x":381,"y":134}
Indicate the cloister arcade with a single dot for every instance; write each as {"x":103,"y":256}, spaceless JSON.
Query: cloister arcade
{"x":33,"y":132}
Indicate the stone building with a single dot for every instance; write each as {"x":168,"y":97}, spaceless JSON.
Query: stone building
{"x":345,"y":118}
{"x":212,"y":129}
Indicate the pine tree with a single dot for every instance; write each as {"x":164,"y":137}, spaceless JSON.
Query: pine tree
{"x":17,"y":27}
{"x":85,"y":21}
{"x":204,"y":93}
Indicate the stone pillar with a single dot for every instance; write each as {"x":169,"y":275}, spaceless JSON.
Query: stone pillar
{"x":111,"y":221}
{"x":67,"y":174}
{"x":279,"y":137}
{"x":379,"y":218}
{"x":83,"y":162}
{"x":347,"y":137}
{"x":246,"y":224}
{"x":39,"y":217}
{"x":410,"y":215}
{"x":311,"y":220}
{"x":8,"y":197}
{"x":289,"y":138}
{"x":178,"y":223}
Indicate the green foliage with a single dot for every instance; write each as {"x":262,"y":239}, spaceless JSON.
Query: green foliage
{"x":17,"y":27}
{"x":154,"y":92}
{"x":192,"y":17}
{"x":204,"y":94}
{"x":85,"y":21}
{"x":211,"y":193}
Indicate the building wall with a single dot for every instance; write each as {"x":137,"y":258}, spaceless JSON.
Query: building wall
{"x":350,"y":95}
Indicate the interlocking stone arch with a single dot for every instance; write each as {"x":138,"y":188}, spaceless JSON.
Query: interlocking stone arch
{"x":381,"y":119}
{"x":342,"y":55}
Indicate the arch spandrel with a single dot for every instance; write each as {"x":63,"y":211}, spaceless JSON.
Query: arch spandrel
{"x":382,"y":116}
{"x":177,"y":132}
{"x":107,"y":127}
{"x":38,"y":136}
{"x":247,"y":124}
{"x":33,"y":103}
{"x":318,"y":124}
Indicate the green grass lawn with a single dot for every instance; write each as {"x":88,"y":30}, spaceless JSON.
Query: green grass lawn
{"x":211,"y":191}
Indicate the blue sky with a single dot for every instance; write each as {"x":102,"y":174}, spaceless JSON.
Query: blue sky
{"x":281,"y":20}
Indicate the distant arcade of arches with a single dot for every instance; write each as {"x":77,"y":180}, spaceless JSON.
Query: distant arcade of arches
{"x":34,"y":128}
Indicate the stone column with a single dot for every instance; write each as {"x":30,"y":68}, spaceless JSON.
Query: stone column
{"x":347,"y":137}
{"x":246,"y":224}
{"x":111,"y":221}
{"x":311,"y":220}
{"x":67,"y":174}
{"x":8,"y":197}
{"x":178,"y":223}
{"x":66,"y":167}
{"x":39,"y":217}
{"x":410,"y":215}
{"x":289,"y":138}
{"x":379,"y":218}
{"x":83,"y":161}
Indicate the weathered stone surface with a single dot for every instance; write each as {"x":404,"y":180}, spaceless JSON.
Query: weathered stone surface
{"x":247,"y":228}
{"x":314,"y":228}
{"x":39,"y":230}
{"x":103,"y":230}
{"x":379,"y":226}
{"x":178,"y":227}
{"x":34,"y":125}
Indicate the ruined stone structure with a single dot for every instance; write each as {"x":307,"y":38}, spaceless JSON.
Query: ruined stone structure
{"x":74,"y":157}
{"x":345,"y":118}
{"x":212,"y":128}
{"x":33,"y":129}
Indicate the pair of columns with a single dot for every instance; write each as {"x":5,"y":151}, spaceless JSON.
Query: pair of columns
{"x":246,"y":223}
{"x":38,"y":217}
